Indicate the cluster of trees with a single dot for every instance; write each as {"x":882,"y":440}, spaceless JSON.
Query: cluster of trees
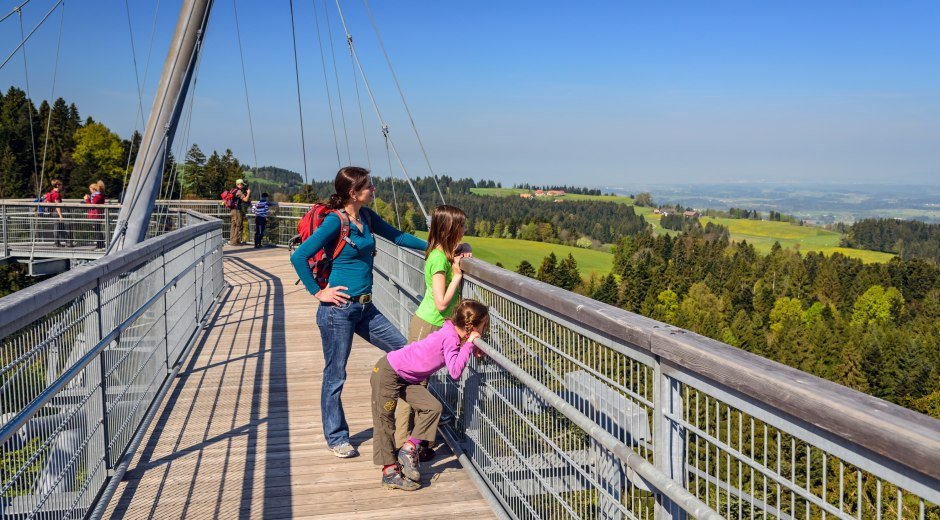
{"x":872,"y":327}
{"x":907,"y":238}
{"x":776,"y":216}
{"x":38,"y":144}
{"x":741,"y":213}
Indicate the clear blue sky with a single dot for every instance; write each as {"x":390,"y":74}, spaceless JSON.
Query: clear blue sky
{"x":594,"y":93}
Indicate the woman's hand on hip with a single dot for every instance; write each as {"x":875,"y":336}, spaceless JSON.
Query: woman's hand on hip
{"x":333,"y":295}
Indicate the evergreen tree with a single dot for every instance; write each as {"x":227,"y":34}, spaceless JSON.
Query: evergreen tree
{"x":526,"y":269}
{"x":607,"y":292}
{"x":548,"y":270}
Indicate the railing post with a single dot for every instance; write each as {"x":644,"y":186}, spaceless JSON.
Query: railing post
{"x":166,"y":321}
{"x":6,"y":241}
{"x":103,"y":384}
{"x":669,"y":438}
{"x":107,"y":225}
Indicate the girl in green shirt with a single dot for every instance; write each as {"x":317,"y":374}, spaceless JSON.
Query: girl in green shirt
{"x":442,"y":277}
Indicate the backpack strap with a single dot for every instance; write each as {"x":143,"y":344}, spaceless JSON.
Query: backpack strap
{"x":343,"y":232}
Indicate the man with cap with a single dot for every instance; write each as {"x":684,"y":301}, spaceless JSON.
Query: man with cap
{"x":240,"y":195}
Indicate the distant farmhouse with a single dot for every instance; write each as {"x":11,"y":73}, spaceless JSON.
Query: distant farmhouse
{"x":544,"y":193}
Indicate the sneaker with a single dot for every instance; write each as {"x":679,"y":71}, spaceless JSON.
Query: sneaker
{"x":344,"y":451}
{"x":393,"y":479}
{"x":409,"y":460}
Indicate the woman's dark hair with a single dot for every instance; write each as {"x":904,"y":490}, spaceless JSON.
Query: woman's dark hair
{"x":348,"y":178}
{"x":447,"y":226}
{"x":468,"y":315}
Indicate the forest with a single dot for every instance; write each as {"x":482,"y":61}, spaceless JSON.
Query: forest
{"x":871,"y":327}
{"x":906,"y":238}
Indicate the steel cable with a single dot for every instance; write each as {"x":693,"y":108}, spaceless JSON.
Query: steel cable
{"x":401,"y":93}
{"x":326,"y":84}
{"x":300,"y":107}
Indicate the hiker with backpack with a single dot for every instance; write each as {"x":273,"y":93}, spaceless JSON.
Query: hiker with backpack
{"x":342,"y":282}
{"x":235,"y":199}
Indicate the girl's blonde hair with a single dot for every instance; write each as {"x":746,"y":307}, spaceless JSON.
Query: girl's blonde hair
{"x":100,"y":185}
{"x":447,"y":227}
{"x":468,"y":315}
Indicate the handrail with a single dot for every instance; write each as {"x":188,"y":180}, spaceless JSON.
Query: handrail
{"x":647,"y":471}
{"x":891,"y":431}
{"x":30,"y":303}
{"x":10,"y":428}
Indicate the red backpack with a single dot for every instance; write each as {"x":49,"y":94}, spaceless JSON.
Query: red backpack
{"x":320,"y":264}
{"x":229,"y":200}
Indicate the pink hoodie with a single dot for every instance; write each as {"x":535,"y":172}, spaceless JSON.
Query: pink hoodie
{"x":416,"y":362}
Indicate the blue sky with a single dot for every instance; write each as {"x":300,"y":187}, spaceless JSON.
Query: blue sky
{"x":593,"y":93}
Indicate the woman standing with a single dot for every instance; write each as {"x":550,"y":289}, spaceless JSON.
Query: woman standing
{"x":96,"y":196}
{"x":346,"y":303}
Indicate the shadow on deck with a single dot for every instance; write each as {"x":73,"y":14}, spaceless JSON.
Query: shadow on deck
{"x":240,"y":434}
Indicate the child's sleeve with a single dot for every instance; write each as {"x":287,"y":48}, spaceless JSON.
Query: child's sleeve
{"x":456,"y":357}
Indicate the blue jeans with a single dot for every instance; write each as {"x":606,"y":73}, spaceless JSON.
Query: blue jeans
{"x":337,"y":325}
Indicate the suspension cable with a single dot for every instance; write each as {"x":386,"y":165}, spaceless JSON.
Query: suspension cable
{"x":339,"y":91}
{"x":401,"y":93}
{"x":28,"y":36}
{"x":391,"y":178}
{"x":140,"y":95}
{"x":241,"y":55}
{"x":378,"y":113}
{"x":300,"y":107}
{"x":15,"y":10}
{"x":326,"y":83}
{"x":55,"y":75}
{"x":362,"y":121}
{"x":29,"y":110}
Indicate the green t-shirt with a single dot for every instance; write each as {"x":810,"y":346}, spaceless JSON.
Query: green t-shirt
{"x":427,"y":311}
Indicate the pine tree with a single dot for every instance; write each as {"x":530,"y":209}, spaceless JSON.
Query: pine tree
{"x":526,"y":269}
{"x":548,"y":270}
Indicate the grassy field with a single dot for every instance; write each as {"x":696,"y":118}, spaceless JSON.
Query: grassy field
{"x":761,"y":233}
{"x":510,"y":252}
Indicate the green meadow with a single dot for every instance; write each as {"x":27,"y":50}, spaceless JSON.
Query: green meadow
{"x":510,"y":252}
{"x":761,"y":233}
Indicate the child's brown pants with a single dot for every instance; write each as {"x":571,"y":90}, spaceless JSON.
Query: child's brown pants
{"x":387,"y":387}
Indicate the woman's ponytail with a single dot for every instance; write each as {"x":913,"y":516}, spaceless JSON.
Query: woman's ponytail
{"x":348,"y":179}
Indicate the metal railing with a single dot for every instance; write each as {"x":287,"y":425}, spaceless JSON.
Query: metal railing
{"x":588,"y":411}
{"x":281,"y":224}
{"x":71,"y":229}
{"x":88,"y":355}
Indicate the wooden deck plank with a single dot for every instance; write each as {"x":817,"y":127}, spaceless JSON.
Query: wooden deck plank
{"x":240,"y":435}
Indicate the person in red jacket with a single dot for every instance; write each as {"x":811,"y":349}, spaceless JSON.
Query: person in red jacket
{"x":95,"y":196}
{"x":62,"y":231}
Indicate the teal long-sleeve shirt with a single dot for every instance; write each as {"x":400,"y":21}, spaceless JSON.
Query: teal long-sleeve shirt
{"x":353,"y":267}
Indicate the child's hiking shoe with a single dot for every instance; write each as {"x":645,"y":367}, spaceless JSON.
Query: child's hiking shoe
{"x":344,"y":451}
{"x":408,"y":458}
{"x":393,"y":479}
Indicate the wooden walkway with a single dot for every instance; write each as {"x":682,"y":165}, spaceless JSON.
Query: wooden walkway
{"x":239,"y":435}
